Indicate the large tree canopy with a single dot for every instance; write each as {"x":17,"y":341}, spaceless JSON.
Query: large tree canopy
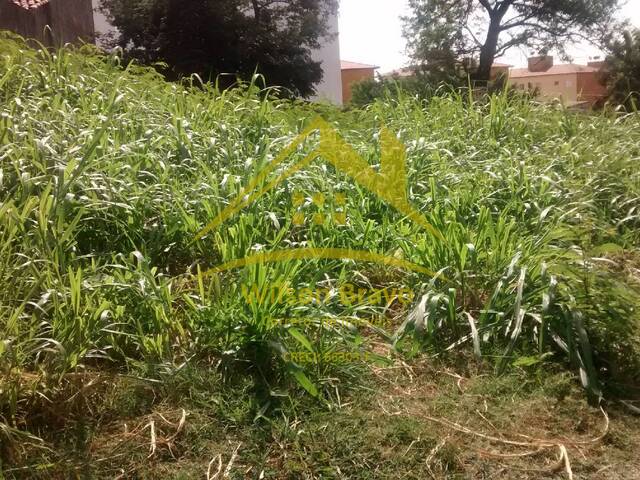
{"x":238,"y":37}
{"x":623,"y":69}
{"x":442,"y":33}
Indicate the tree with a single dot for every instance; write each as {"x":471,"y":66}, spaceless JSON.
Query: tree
{"x":622,"y":73}
{"x":238,"y":37}
{"x":470,"y":34}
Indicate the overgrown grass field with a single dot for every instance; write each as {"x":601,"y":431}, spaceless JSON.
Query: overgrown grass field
{"x":108,"y":174}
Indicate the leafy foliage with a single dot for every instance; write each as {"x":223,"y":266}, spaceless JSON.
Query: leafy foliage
{"x":455,"y":35}
{"x":623,"y":69}
{"x":234,"y":37}
{"x":421,"y":85}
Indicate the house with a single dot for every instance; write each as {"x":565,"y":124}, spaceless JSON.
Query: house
{"x":353,"y":72}
{"x":399,"y":73}
{"x":403,"y":72}
{"x":575,"y":85}
{"x":500,"y":70}
{"x":497,"y":69}
{"x":51,"y":22}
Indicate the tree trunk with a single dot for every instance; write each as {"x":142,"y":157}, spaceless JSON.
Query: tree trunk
{"x":256,"y":11}
{"x":488,"y":51}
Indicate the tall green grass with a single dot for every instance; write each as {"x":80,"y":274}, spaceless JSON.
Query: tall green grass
{"x":107,"y":173}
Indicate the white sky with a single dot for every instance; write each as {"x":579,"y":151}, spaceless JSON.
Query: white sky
{"x":371,"y":32}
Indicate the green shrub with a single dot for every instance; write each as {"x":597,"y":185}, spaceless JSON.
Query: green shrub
{"x":421,"y":87}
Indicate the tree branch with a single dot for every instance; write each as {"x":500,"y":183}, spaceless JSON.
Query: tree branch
{"x":487,"y":6}
{"x":475,"y":39}
{"x":507,"y":45}
{"x":256,"y":11}
{"x":504,"y":6}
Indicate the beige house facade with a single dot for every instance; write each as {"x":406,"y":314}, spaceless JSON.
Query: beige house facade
{"x":573,"y":84}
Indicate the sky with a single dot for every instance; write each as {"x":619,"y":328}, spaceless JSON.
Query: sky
{"x":371,"y":32}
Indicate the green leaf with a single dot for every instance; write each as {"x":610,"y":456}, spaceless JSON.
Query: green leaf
{"x":588,"y":373}
{"x":299,"y":336}
{"x":304,"y":381}
{"x":606,"y":248}
{"x":474,"y":335}
{"x":526,"y":361}
{"x":516,"y":323}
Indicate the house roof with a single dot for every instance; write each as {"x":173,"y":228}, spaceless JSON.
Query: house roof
{"x":411,"y":70}
{"x":345,"y":65}
{"x":30,"y":4}
{"x":555,"y":70}
{"x":401,"y":72}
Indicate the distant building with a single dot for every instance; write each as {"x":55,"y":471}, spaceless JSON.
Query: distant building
{"x":403,"y":72}
{"x":353,"y":72}
{"x":497,"y":69}
{"x":575,"y":85}
{"x":330,"y":88}
{"x":51,"y":22}
{"x":104,"y":31}
{"x":500,"y":70}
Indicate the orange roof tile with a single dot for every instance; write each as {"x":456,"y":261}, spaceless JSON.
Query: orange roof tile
{"x":30,"y":4}
{"x":555,"y":70}
{"x":344,"y":65}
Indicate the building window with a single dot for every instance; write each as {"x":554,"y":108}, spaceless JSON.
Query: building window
{"x":529,"y":85}
{"x":568,"y":83}
{"x":557,"y":83}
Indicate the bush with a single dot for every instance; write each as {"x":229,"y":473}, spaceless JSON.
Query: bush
{"x":419,"y":86}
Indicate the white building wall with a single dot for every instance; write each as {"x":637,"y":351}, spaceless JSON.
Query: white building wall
{"x":100,"y":24}
{"x":330,"y":88}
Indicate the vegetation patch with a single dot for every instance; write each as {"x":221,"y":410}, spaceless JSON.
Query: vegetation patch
{"x":121,"y":354}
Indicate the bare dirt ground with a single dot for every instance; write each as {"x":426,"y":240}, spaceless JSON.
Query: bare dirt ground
{"x":424,"y":420}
